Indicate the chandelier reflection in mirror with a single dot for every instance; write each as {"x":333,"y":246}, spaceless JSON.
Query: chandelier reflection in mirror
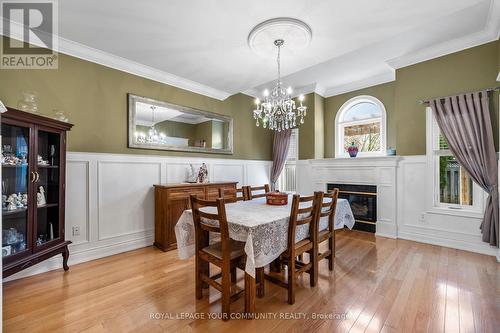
{"x":152,"y":136}
{"x":278,"y":110}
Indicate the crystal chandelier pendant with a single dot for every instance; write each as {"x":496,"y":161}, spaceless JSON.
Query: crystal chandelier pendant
{"x":278,"y":110}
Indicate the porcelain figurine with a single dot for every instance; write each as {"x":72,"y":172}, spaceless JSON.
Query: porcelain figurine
{"x":19,"y":201}
{"x":24,"y":199}
{"x":191,"y":175}
{"x":40,"y":197}
{"x":203,"y":174}
{"x":11,"y":203}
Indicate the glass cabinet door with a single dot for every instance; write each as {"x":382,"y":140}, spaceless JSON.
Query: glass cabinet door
{"x":47,"y":187}
{"x":16,"y":233}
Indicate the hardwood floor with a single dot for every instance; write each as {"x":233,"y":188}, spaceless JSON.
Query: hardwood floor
{"x":380,"y":284}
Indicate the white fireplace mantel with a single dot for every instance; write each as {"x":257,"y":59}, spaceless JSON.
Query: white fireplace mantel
{"x":379,"y":171}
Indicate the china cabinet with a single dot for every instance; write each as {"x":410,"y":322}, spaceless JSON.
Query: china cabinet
{"x":33,"y":186}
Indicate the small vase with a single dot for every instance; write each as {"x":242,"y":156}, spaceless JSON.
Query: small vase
{"x":352,"y":150}
{"x":28,"y":103}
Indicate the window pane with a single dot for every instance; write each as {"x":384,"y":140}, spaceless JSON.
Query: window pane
{"x":443,"y":144}
{"x":362,"y":111}
{"x":366,"y":137}
{"x":454,"y":183}
{"x":293,"y":147}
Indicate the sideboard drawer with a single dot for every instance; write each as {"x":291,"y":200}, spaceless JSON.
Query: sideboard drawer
{"x":213,"y":191}
{"x":183,"y":193}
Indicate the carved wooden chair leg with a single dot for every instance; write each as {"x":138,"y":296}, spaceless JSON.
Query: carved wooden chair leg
{"x":331,"y":247}
{"x":226,"y":292}
{"x":313,"y":271}
{"x":198,"y":281}
{"x":291,"y":280}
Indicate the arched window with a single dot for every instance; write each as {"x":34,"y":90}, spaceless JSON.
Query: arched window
{"x":361,"y":121}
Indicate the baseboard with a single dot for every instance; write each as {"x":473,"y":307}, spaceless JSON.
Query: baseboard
{"x":84,"y":256}
{"x":386,"y":229}
{"x":451,"y":243}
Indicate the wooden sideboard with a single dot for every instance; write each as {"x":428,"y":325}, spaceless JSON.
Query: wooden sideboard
{"x":171,"y":200}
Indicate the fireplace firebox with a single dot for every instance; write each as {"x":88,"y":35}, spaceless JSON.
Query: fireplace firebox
{"x":363,"y":201}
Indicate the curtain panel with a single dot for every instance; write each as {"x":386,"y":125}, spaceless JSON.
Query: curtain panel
{"x":465,"y":122}
{"x":281,"y":143}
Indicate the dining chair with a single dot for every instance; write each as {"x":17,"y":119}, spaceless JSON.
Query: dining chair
{"x":226,"y":254}
{"x":304,"y":212}
{"x":231,"y":195}
{"x":326,"y":225}
{"x":252,"y":189}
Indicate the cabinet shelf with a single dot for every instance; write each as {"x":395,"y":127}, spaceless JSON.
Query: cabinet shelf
{"x":43,"y":166}
{"x":14,"y":165}
{"x":47,"y":206}
{"x":13,"y":212}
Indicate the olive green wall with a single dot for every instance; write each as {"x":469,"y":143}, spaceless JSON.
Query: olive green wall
{"x":469,"y":70}
{"x":95,"y":99}
{"x":384,"y":92}
{"x":176,"y":129}
{"x":204,"y":132}
{"x":311,"y":132}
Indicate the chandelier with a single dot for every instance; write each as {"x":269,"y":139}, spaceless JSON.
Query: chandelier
{"x":278,"y":110}
{"x":152,"y":136}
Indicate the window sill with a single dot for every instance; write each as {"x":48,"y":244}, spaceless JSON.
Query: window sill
{"x":462,"y":212}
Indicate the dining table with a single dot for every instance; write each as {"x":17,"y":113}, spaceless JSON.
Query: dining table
{"x":264,"y":230}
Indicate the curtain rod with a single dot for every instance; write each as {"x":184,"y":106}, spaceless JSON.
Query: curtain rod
{"x":487,"y":90}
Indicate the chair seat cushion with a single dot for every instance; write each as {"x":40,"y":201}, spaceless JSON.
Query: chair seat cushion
{"x":215,"y":249}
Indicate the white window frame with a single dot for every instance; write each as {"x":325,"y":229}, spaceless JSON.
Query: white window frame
{"x":339,"y":126}
{"x":433,"y":155}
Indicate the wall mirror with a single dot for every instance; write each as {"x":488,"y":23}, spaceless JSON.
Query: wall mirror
{"x":160,"y":125}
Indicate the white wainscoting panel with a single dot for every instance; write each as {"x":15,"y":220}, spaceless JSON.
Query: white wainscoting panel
{"x":77,"y":211}
{"x":110,"y":198}
{"x":418,"y":221}
{"x":125,"y":197}
{"x":403,"y":209}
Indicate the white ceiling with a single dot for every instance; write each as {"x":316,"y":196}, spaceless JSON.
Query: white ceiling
{"x":202,"y":45}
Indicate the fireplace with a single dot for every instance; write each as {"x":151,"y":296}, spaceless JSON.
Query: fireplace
{"x":363,"y":201}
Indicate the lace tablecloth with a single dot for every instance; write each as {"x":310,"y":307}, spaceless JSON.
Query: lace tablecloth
{"x":263,"y":228}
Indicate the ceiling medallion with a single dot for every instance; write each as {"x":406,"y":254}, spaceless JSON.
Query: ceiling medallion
{"x":278,"y":111}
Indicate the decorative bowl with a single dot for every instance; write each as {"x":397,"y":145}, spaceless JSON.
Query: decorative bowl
{"x":276,"y":198}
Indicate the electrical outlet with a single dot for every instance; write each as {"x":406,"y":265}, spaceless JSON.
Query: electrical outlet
{"x":422,"y":217}
{"x":76,"y":230}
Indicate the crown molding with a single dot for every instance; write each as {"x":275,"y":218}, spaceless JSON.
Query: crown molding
{"x":490,"y":33}
{"x":87,"y":53}
{"x":370,"y":81}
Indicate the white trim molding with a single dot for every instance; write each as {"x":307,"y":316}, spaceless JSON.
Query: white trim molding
{"x":370,"y":81}
{"x":401,"y":199}
{"x":110,"y":198}
{"x":99,"y":57}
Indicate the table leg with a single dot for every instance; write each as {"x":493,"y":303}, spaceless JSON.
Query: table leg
{"x":250,"y":295}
